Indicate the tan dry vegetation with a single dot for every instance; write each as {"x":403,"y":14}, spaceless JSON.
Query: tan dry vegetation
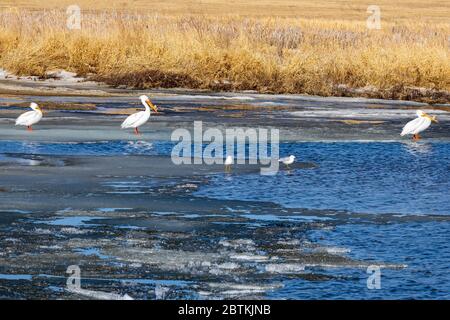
{"x":431,"y":11}
{"x":51,"y":105}
{"x":173,"y":46}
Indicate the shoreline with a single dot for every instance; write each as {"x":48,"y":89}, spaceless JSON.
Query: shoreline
{"x":31,"y":86}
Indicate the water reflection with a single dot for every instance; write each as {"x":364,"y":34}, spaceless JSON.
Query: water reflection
{"x":418,"y":148}
{"x":29,"y":147}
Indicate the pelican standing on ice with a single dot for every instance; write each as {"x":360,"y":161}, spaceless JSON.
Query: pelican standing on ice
{"x":139,"y":118}
{"x":30,"y":118}
{"x":416,"y":126}
{"x":228,"y":162}
{"x":287,"y":160}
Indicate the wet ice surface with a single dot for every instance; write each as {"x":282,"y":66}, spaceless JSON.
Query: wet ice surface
{"x":205,"y":257}
{"x":93,"y":196}
{"x":299,"y":118}
{"x":159,"y":234}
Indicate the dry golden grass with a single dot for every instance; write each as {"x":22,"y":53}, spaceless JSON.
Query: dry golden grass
{"x":433,"y":11}
{"x":187,"y":44}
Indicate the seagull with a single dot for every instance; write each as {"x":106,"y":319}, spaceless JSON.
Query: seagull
{"x":31,"y":117}
{"x":228,"y":162}
{"x":421,"y":123}
{"x":287,"y":160}
{"x":139,"y":118}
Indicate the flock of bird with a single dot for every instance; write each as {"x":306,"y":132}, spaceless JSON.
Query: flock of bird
{"x":134,"y":121}
{"x":30,"y":118}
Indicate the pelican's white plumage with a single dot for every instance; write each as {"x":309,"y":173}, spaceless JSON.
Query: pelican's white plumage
{"x":139,"y":118}
{"x":421,"y":123}
{"x":415,"y":126}
{"x":31,"y":117}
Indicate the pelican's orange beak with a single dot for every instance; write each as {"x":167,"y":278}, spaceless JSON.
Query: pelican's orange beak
{"x":39,"y":108}
{"x":151,"y":105}
{"x":432,"y":118}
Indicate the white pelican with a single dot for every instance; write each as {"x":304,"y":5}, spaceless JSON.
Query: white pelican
{"x":139,"y":118}
{"x":287,"y":160}
{"x":228,"y":162}
{"x":31,"y":117}
{"x":421,"y":123}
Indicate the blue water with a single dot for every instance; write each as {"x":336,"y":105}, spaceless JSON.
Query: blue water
{"x":423,"y":247}
{"x":356,"y":177}
{"x":78,"y":221}
{"x":408,"y":179}
{"x":97,"y":148}
{"x":373,"y":178}
{"x":363,"y":177}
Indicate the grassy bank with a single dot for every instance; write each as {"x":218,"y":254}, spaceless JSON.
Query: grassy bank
{"x":409,"y":59}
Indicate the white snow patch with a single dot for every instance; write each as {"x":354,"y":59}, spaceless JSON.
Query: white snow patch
{"x":100,"y":295}
{"x":249,"y":257}
{"x":285,"y":268}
